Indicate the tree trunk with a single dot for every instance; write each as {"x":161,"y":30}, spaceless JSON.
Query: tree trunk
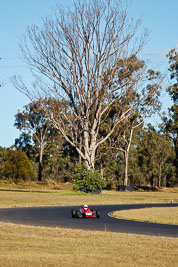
{"x":40,"y":170}
{"x":80,"y":147}
{"x":159,"y":177}
{"x":152,"y":181}
{"x":89,"y":147}
{"x":101,"y":170}
{"x":90,"y":159}
{"x":40,"y":166}
{"x":176,"y":152}
{"x":126,"y":155}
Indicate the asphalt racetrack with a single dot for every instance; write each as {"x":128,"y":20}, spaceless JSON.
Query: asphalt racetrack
{"x":61,"y":217}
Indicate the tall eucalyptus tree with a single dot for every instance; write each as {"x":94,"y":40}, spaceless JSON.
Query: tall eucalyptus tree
{"x":85,"y":56}
{"x":36,"y":130}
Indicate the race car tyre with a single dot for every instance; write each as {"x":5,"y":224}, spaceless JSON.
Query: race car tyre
{"x":78,"y":214}
{"x":73,"y":213}
{"x":94,"y":213}
{"x":98,"y":214}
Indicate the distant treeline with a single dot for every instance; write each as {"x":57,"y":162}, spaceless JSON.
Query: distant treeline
{"x":151,"y":161}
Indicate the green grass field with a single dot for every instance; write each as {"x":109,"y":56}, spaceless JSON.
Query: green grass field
{"x":41,"y":246}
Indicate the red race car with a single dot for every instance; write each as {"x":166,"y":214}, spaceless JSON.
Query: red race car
{"x":85,"y":212}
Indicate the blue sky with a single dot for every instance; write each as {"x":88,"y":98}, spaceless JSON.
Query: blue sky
{"x":159,"y":16}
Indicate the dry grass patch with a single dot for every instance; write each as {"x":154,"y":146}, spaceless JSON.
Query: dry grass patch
{"x":65,"y":198}
{"x":163,"y":215}
{"x":41,"y":246}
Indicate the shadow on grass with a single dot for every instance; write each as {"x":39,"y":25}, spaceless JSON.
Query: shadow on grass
{"x":146,"y":188}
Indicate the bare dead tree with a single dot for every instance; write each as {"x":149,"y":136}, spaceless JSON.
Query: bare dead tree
{"x":80,"y":55}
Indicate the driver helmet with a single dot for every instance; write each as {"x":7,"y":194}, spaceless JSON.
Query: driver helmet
{"x":85,"y":207}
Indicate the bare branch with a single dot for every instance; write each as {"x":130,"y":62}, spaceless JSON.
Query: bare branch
{"x":86,"y":57}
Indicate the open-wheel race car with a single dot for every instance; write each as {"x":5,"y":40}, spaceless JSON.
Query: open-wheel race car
{"x":85,"y":212}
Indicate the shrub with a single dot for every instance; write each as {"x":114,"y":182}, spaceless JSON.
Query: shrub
{"x":90,"y":179}
{"x":17,"y":166}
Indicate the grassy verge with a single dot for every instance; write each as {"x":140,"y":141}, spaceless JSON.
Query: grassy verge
{"x":34,"y":185}
{"x":62,"y":195}
{"x":40,"y":246}
{"x":64,"y":198}
{"x":157,"y":215}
